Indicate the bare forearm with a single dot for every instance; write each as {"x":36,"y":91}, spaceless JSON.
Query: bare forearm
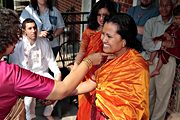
{"x":84,"y":87}
{"x":65,"y":88}
{"x":57,"y":32}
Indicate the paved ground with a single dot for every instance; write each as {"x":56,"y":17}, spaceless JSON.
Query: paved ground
{"x":64,"y":110}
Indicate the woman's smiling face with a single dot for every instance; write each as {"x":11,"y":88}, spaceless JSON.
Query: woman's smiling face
{"x":112,"y":41}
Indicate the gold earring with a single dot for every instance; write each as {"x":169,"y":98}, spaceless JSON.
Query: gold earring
{"x":124,"y":43}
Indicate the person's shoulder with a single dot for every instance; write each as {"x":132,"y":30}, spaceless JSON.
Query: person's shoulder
{"x":19,"y":44}
{"x":42,"y":41}
{"x":154,"y":10}
{"x":8,"y":66}
{"x":55,"y":9}
{"x":56,"y":12}
{"x":29,"y":7}
{"x":134,"y":7}
{"x":131,"y":9}
{"x":89,"y":31}
{"x":153,"y":19}
{"x":137,"y":59}
{"x":135,"y":55}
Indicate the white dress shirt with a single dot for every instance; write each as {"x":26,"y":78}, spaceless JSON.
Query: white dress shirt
{"x":36,"y":58}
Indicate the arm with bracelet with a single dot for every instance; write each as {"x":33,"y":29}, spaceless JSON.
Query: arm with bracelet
{"x":64,"y":88}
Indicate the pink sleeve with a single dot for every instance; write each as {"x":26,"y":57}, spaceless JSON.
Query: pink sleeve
{"x":31,"y":84}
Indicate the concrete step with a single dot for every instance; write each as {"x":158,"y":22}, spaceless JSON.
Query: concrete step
{"x":64,"y":110}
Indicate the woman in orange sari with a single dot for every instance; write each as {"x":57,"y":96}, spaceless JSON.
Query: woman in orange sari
{"x":122,"y":82}
{"x":91,"y":43}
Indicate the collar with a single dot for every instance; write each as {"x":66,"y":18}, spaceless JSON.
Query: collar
{"x":159,"y":19}
{"x":27,"y":42}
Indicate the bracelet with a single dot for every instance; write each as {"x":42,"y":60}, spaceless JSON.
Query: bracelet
{"x":88,"y":62}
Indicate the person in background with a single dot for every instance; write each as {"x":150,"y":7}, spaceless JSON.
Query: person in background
{"x":173,"y":107}
{"x":177,"y":2}
{"x":91,"y":43}
{"x":35,"y":54}
{"x":118,"y":6}
{"x":160,"y":85}
{"x":141,"y":13}
{"x":16,"y":81}
{"x":122,"y":82}
{"x":172,"y":34}
{"x":48,"y":19}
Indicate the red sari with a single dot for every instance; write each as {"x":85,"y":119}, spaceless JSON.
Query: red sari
{"x":91,"y":43}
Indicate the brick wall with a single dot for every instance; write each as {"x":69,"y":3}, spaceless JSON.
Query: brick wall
{"x":75,"y":6}
{"x":71,"y":6}
{"x":125,"y":4}
{"x":67,"y":5}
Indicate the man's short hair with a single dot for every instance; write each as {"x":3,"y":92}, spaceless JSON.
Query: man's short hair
{"x":28,"y":20}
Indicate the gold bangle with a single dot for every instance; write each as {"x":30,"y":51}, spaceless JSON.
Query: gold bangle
{"x":88,"y":62}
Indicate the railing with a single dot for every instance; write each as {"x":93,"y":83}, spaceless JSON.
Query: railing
{"x":75,"y":24}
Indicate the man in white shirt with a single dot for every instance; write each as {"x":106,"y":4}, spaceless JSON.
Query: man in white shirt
{"x":160,"y":85}
{"x":35,"y":54}
{"x":47,"y":18}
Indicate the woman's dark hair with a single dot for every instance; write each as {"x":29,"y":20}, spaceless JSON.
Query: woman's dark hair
{"x":10,"y":30}
{"x":127,"y":29}
{"x":92,"y":19}
{"x":34,"y":4}
{"x":28,"y":20}
{"x":176,"y":10}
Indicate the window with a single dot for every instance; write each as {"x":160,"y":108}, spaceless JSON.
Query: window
{"x":19,"y":5}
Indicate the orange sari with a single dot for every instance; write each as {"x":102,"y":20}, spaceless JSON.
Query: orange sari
{"x":91,"y":43}
{"x":122,"y":91}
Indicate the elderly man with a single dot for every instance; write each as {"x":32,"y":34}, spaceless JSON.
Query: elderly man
{"x":160,"y":85}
